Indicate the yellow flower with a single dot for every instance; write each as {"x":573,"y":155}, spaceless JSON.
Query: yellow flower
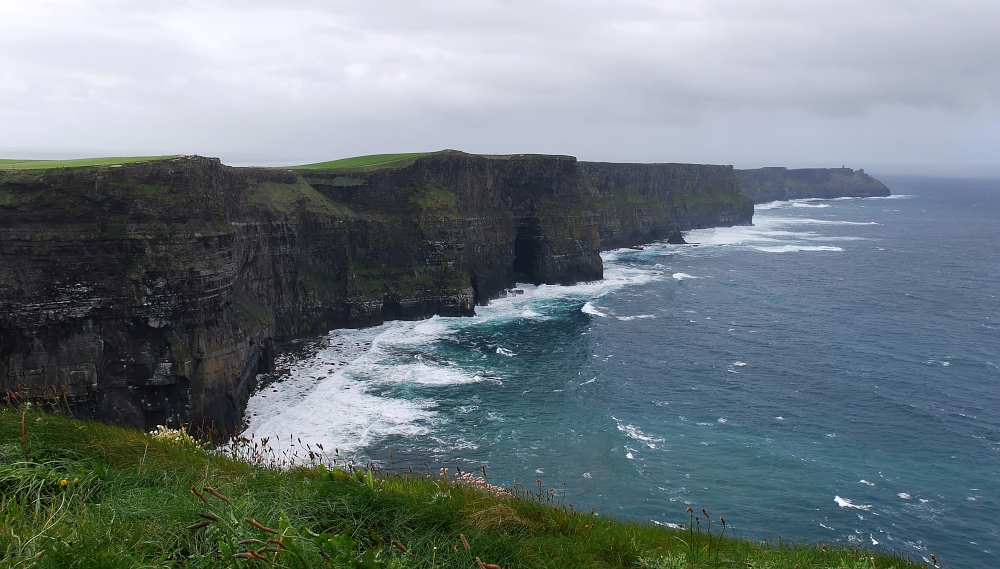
{"x":63,"y":483}
{"x":76,"y":482}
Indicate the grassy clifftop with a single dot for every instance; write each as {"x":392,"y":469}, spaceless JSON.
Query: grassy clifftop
{"x":17,"y":164}
{"x":370,"y":162}
{"x":83,"y":494}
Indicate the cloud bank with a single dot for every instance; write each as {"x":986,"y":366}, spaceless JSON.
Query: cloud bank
{"x":904,"y":84}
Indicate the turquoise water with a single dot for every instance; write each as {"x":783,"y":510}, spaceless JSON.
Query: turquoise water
{"x":831,"y":374}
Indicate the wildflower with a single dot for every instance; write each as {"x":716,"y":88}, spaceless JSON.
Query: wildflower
{"x":76,"y":482}
{"x":63,"y":483}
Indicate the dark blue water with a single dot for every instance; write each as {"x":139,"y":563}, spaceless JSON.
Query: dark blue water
{"x":831,"y":374}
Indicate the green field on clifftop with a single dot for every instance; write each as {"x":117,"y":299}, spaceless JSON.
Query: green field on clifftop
{"x":18,"y":164}
{"x":370,"y":162}
{"x":84,"y":494}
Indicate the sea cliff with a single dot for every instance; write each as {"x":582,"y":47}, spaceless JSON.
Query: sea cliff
{"x":153,"y":292}
{"x":772,"y":184}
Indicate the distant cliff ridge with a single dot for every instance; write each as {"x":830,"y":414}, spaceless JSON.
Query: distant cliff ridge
{"x":152,"y":291}
{"x":771,"y":184}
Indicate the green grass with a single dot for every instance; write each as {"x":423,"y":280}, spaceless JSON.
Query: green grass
{"x":289,"y":198}
{"x":16,"y":164}
{"x":88,"y":495}
{"x":371,"y":162}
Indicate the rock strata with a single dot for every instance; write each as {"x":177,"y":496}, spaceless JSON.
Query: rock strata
{"x":154,"y":292}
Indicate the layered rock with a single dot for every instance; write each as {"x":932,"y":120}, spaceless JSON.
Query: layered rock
{"x":154,"y":292}
{"x":773,"y":184}
{"x":642,"y":203}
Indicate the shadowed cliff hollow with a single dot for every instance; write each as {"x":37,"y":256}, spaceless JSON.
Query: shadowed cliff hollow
{"x":152,"y":291}
{"x":772,"y":184}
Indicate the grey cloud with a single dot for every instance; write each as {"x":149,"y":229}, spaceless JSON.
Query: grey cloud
{"x":314,"y":78}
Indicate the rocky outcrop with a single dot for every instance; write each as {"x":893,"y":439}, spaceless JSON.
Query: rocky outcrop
{"x":771,"y":184}
{"x":154,"y":292}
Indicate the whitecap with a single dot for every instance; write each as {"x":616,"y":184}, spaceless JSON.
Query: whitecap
{"x":845,"y":503}
{"x":505,"y":352}
{"x":722,"y":420}
{"x":682,"y":276}
{"x":634,"y":433}
{"x":629,"y":456}
{"x":866,"y":483}
{"x":327,"y":397}
{"x":636,"y":317}
{"x":739,"y":364}
{"x":804,"y":204}
{"x":587,"y":475}
{"x":798,"y":248}
{"x":905,"y":496}
{"x":812,"y":221}
{"x":769,"y":205}
{"x":589,"y":308}
{"x":667,"y":525}
{"x":589,"y":381}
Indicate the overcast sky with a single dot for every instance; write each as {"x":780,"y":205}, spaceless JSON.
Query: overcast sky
{"x":888,"y":85}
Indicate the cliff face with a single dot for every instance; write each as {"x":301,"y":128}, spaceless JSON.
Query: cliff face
{"x":154,"y":292}
{"x":641,"y":203}
{"x":771,"y":184}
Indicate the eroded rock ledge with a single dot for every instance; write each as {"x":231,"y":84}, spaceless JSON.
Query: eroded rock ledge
{"x":154,"y":292}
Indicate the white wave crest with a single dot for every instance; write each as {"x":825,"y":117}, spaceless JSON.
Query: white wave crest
{"x":682,"y":276}
{"x":798,"y":248}
{"x":330,"y":396}
{"x":588,"y":308}
{"x":845,"y":503}
{"x":632,"y":432}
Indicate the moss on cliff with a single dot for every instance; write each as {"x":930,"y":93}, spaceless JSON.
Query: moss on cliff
{"x":296,"y":197}
{"x":437,"y":202}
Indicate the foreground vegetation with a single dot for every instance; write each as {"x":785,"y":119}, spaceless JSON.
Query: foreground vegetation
{"x":82,"y":494}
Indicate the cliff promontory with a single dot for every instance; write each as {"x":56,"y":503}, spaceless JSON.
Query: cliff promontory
{"x":772,"y":184}
{"x":154,"y":291}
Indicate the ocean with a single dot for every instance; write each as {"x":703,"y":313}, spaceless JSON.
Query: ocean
{"x":830,"y":374}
